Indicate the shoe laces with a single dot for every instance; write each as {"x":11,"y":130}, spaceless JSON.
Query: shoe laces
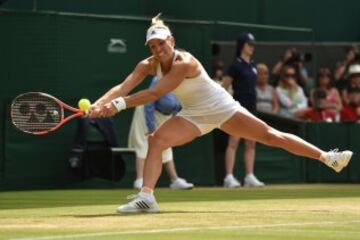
{"x":333,"y":156}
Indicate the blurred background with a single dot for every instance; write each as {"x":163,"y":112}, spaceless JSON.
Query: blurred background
{"x":74,"y":49}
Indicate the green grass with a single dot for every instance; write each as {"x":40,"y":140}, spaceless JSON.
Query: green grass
{"x":275,"y":212}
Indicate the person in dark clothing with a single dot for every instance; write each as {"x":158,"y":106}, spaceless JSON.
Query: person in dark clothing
{"x":242,"y":75}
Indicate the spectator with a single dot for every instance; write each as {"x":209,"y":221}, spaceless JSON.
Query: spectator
{"x":296,"y":59}
{"x":352,"y":56}
{"x":351,"y":111}
{"x":293,"y":102}
{"x":145,"y":121}
{"x":319,"y":111}
{"x":332,"y":102}
{"x":218,"y":76}
{"x":242,"y":75}
{"x":266,"y":98}
{"x":353,"y":81}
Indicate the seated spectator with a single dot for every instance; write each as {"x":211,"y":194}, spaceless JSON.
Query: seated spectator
{"x":353,"y":81}
{"x":218,"y":75}
{"x":332,"y":102}
{"x":266,"y":98}
{"x":293,"y":102}
{"x":351,"y":111}
{"x":296,"y":59}
{"x":320,"y":111}
{"x":352,"y":56}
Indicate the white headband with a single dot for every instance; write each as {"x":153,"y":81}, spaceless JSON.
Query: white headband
{"x":158,"y":33}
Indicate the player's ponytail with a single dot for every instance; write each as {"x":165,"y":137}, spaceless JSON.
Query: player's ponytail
{"x":158,"y":29}
{"x":157,"y":21}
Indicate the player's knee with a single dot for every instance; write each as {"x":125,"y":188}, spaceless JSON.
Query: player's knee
{"x":157,"y":142}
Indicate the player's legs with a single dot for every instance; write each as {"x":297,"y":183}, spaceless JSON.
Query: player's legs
{"x":174,"y":132}
{"x":243,"y":123}
{"x":246,"y":125}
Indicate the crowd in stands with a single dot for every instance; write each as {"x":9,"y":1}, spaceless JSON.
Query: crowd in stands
{"x":288,"y":90}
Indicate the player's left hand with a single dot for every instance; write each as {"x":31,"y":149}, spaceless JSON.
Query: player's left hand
{"x":108,"y":110}
{"x":94,"y":111}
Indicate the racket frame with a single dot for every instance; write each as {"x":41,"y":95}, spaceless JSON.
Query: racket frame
{"x":76,"y":113}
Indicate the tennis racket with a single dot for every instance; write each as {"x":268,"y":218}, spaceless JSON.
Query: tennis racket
{"x":40,"y":113}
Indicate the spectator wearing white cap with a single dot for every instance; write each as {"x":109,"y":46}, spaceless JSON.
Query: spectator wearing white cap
{"x":353,"y":81}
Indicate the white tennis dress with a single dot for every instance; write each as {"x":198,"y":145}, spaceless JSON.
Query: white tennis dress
{"x":204,"y":102}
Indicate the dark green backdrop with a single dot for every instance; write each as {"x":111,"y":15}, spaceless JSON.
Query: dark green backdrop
{"x":67,"y":56}
{"x":332,"y":20}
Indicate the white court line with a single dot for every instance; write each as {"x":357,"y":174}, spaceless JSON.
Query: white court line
{"x":185,"y":229}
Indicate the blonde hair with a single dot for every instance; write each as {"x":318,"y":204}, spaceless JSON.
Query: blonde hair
{"x":156,"y":22}
{"x":262,"y":66}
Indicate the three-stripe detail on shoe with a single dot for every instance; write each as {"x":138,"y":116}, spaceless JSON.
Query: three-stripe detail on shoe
{"x":142,"y":205}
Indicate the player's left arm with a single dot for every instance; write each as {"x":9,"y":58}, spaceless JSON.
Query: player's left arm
{"x":179,"y":71}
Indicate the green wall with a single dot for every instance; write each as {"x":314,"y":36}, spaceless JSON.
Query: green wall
{"x":68,"y":57}
{"x":332,"y":20}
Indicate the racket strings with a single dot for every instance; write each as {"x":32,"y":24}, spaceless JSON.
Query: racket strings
{"x":33,"y":112}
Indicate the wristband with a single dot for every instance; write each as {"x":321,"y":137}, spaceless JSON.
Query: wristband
{"x":119,"y":103}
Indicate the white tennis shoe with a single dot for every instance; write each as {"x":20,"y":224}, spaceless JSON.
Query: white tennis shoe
{"x":231,"y":182}
{"x":251,"y":181}
{"x":140,"y":203}
{"x":337,"y":160}
{"x":181,"y":184}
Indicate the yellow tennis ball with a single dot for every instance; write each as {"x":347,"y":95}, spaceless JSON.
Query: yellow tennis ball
{"x":84,"y":104}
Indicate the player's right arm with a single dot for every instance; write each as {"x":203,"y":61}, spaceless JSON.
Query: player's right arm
{"x":143,"y":69}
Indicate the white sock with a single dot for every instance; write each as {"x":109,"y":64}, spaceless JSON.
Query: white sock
{"x":249,"y":175}
{"x":229,"y":176}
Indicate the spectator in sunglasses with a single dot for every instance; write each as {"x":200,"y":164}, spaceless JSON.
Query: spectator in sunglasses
{"x":293,"y":102}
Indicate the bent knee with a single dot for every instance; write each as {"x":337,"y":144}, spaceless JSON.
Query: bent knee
{"x":156,"y":141}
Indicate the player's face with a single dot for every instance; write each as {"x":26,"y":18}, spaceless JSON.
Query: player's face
{"x":162,"y":49}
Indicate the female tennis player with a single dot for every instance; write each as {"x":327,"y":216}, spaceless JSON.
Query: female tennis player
{"x":205,"y":106}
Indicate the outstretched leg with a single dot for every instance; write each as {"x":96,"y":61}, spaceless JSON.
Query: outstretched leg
{"x":246,"y":125}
